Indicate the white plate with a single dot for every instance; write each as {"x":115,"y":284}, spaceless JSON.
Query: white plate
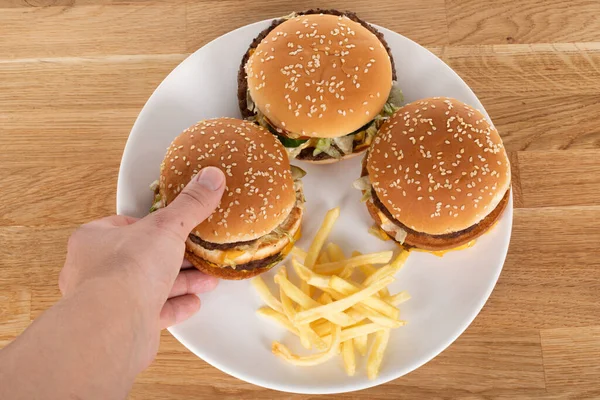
{"x":447,"y":293}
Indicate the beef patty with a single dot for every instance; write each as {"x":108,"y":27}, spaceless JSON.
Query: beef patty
{"x":435,"y":242}
{"x":218,"y":246}
{"x":265,"y":262}
{"x":305,"y":154}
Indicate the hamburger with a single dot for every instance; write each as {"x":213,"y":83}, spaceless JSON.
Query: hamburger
{"x":321,"y":81}
{"x":436,"y":176}
{"x":258,"y":219}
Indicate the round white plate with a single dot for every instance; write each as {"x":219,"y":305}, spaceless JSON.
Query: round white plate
{"x":447,"y":292}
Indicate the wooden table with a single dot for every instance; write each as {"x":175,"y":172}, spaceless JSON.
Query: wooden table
{"x":75,"y":73}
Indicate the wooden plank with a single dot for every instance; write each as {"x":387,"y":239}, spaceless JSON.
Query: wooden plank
{"x":92,"y":30}
{"x":90,"y":83}
{"x":412,"y":19}
{"x":77,"y":136}
{"x":14,"y":310}
{"x":144,"y":391}
{"x":525,"y":21}
{"x":77,"y":3}
{"x":559,"y":178}
{"x":479,"y":362}
{"x":546,"y":122}
{"x":571,"y":357}
{"x":550,"y":278}
{"x":65,"y":194}
{"x":32,"y":257}
{"x":517,"y":193}
{"x":531,"y":70}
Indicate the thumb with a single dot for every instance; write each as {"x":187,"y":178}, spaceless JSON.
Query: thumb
{"x":194,"y":204}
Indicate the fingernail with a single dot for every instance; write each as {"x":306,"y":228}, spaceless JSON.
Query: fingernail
{"x":211,"y":178}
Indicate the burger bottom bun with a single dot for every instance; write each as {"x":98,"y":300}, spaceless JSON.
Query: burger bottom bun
{"x":333,"y":160}
{"x":449,"y":241}
{"x":224,"y":272}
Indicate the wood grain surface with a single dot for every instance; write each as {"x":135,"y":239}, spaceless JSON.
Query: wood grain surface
{"x":75,"y":73}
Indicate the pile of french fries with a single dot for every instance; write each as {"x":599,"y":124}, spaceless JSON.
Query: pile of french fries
{"x":339,"y":304}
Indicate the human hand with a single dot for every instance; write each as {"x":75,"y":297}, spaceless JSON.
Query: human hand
{"x":141,"y":260}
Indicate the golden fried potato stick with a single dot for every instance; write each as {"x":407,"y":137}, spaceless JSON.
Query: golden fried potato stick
{"x":266,"y":295}
{"x":314,"y":359}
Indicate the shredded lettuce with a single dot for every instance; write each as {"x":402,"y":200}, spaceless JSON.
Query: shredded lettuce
{"x":322,"y":146}
{"x":362,"y":183}
{"x":345,"y":143}
{"x":157,"y":203}
{"x":396,"y":97}
{"x":297,"y":172}
{"x":250,"y":103}
{"x":366,"y":195}
{"x":154,"y":185}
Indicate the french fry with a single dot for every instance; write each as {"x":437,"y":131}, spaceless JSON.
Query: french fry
{"x":378,"y":233}
{"x":325,"y":298}
{"x":376,"y":355}
{"x":360,"y":344}
{"x":353,"y":262}
{"x":335,"y":252}
{"x":388,"y":270}
{"x":348,"y":357}
{"x":322,"y":234}
{"x":290,"y":313}
{"x":397,"y":298}
{"x":368,"y":270}
{"x":298,"y":253}
{"x":346,"y":288}
{"x":305,"y":301}
{"x":342,"y":289}
{"x":266,"y":295}
{"x":355,"y":331}
{"x":323,"y":258}
{"x":381,"y":320}
{"x":314,"y":359}
{"x":279,"y":318}
{"x":324,"y":311}
{"x":341,"y":315}
{"x":321,"y":327}
{"x":359,"y":312}
{"x":312,"y":278}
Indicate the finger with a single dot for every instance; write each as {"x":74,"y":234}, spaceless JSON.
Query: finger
{"x":178,"y":309}
{"x":193,"y":205}
{"x":192,"y":281}
{"x":186,"y":264}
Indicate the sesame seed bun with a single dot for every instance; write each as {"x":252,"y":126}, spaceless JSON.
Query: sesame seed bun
{"x":438,"y":167}
{"x":319,"y":75}
{"x":259,"y":217}
{"x":259,"y":193}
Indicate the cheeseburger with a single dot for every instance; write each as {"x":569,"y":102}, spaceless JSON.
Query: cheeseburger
{"x":258,"y":219}
{"x":321,"y":81}
{"x":436,"y":176}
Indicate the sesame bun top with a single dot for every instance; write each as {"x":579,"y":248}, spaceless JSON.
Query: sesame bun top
{"x":438,"y":166}
{"x":259,"y":192}
{"x":320,"y":75}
